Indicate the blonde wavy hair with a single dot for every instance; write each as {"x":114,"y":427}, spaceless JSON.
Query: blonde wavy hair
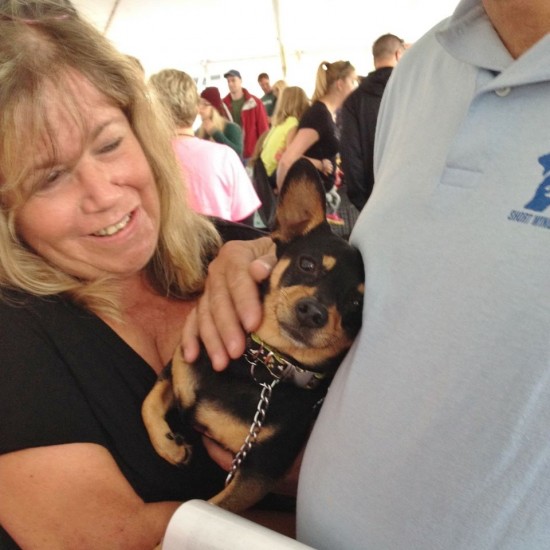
{"x":218,"y":121}
{"x":292,"y":101}
{"x":278,"y":87}
{"x":178,"y":92}
{"x":38,"y":54}
{"x":328,"y":74}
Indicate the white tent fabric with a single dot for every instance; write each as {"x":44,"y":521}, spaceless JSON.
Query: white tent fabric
{"x":285,"y":38}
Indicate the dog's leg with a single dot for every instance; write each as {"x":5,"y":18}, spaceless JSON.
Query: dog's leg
{"x":243,"y":492}
{"x":184,"y":381}
{"x":158,"y":402}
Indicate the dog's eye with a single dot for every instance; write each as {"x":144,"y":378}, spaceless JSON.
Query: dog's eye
{"x":307,"y":264}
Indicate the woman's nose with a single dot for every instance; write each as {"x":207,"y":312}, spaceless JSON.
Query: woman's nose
{"x":99,"y":189}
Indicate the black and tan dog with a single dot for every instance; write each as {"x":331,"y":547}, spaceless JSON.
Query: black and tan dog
{"x":263,"y":405}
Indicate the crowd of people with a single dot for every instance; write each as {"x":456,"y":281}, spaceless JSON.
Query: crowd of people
{"x":115,"y":211}
{"x":262,"y":129}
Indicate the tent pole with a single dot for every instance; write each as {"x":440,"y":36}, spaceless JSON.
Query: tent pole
{"x":279,"y":38}
{"x":111,"y":16}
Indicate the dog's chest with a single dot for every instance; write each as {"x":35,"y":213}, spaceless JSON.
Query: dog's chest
{"x":238,"y":390}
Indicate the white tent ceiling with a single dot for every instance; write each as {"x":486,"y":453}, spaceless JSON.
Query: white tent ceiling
{"x":207,"y":37}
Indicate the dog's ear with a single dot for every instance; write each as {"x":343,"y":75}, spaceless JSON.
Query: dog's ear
{"x":302,"y":202}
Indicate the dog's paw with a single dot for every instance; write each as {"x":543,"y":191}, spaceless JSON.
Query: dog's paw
{"x":176,"y":450}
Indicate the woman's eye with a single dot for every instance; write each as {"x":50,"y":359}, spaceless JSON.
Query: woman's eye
{"x":52,"y":176}
{"x":49,"y":180}
{"x":111,"y":146}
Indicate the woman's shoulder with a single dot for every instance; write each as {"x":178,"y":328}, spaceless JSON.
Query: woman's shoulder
{"x":16,"y":303}
{"x":315,"y":112}
{"x":232,"y":128}
{"x":226,"y":155}
{"x":290,"y":121}
{"x":52,"y":317}
{"x":280,"y":130}
{"x":317,"y":107}
{"x":232,"y":125}
{"x":194,"y":151}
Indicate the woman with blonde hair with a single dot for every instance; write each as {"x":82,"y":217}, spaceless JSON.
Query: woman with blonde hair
{"x":291,"y":105}
{"x":217,"y":124}
{"x":278,"y":88}
{"x":101,"y":260}
{"x":318,"y":137}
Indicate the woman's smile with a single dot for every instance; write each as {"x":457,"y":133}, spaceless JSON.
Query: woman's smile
{"x":115,"y":228}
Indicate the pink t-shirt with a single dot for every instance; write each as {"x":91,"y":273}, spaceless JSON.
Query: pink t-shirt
{"x":217,"y":182}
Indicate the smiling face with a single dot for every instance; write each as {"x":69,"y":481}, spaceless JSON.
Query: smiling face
{"x":264,"y":85}
{"x":93,"y":207}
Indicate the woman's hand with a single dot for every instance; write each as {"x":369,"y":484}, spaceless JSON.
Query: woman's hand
{"x":326,"y":167}
{"x":288,"y":485}
{"x":222,"y":457}
{"x":230,"y":306}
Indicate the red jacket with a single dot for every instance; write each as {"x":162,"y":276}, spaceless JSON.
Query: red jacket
{"x":253,"y":121}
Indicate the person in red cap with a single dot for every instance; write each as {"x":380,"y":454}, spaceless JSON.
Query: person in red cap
{"x":217,"y":124}
{"x":211,"y":94}
{"x":247,"y":111}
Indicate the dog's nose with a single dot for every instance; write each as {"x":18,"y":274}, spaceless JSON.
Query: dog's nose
{"x":311,"y":313}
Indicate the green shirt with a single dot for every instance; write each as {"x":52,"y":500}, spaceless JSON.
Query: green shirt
{"x":236,"y":108}
{"x":269,"y":100}
{"x":232,"y":136}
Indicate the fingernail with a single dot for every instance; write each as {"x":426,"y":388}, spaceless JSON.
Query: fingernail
{"x":268,"y":267}
{"x":218,"y":362}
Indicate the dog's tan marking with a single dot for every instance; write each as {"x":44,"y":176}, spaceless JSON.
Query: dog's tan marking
{"x":157,"y":403}
{"x":329,"y":262}
{"x":242,"y":493}
{"x":309,"y":357}
{"x":227,"y":429}
{"x":184,"y":380}
{"x":298,"y":211}
{"x":322,"y":344}
{"x":277,"y":273}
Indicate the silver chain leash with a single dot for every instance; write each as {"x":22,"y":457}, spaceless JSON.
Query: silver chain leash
{"x":255,"y":428}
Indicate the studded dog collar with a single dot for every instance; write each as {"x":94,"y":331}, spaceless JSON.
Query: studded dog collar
{"x":280,"y":368}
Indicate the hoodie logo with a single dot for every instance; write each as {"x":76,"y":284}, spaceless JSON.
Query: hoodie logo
{"x":539,"y":202}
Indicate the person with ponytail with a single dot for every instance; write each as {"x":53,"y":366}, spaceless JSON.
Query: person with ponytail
{"x":318,"y":137}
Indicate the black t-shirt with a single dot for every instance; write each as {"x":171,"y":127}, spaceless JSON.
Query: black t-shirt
{"x":66,"y":377}
{"x":319,"y":118}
